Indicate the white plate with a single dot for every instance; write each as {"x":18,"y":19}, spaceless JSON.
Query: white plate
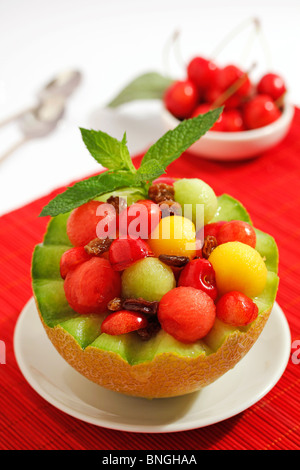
{"x":63,"y":387}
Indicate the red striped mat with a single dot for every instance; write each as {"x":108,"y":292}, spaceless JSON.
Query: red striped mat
{"x":269,"y":188}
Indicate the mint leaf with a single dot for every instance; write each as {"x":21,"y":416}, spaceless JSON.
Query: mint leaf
{"x":148,"y":86}
{"x":86,"y":190}
{"x":108,"y":151}
{"x":149,"y":171}
{"x":172,"y":144}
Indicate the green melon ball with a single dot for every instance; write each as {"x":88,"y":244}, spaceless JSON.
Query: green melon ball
{"x":148,"y":278}
{"x":199,"y":198}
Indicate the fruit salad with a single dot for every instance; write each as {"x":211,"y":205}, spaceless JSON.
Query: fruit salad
{"x":154,"y":288}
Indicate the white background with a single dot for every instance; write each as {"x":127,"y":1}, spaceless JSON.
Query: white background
{"x":111,"y":42}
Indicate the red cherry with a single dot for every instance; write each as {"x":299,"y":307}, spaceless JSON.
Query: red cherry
{"x":199,"y":274}
{"x":212,"y":94}
{"x":202,"y":72}
{"x":237,"y":231}
{"x":123,"y":252}
{"x":212,"y":229}
{"x":233,"y":120}
{"x":122,"y":322}
{"x":84,"y":221}
{"x":272,"y":85}
{"x":236,"y":309}
{"x":139,"y":219}
{"x":72,"y":258}
{"x":165,"y":180}
{"x":204,"y":108}
{"x":91,"y":285}
{"x":229,"y":75}
{"x":260,"y":111}
{"x":181,"y":98}
{"x":186,"y":313}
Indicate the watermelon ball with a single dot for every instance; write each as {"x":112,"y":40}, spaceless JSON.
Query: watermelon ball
{"x":83,"y":222}
{"x":186,"y":313}
{"x":91,"y":285}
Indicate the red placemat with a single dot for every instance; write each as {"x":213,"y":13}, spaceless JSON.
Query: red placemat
{"x":269,"y":188}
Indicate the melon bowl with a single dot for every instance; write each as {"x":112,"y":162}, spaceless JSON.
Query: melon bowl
{"x":161,"y":366}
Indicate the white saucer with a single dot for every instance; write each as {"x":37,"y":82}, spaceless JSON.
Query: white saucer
{"x":58,"y":383}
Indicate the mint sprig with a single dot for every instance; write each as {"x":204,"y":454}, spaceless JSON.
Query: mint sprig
{"x":121,"y":173}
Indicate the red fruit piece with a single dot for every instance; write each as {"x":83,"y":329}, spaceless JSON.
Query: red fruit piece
{"x":83,"y":222}
{"x":122,"y":322}
{"x":237,"y":231}
{"x":199,"y":274}
{"x":91,"y":285}
{"x":236,"y":309}
{"x":139,"y":219}
{"x":233,"y":121}
{"x":72,"y":258}
{"x":186,"y":313}
{"x":272,"y":85}
{"x":202,"y":72}
{"x":229,"y":76}
{"x":209,"y":229}
{"x":181,"y":98}
{"x":123,"y":252}
{"x":204,"y":108}
{"x":260,"y":111}
{"x":165,"y":180}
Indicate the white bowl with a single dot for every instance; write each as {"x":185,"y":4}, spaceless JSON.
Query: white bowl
{"x":230,"y":146}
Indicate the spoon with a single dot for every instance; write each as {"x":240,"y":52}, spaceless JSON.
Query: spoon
{"x":63,"y":84}
{"x":39,"y":122}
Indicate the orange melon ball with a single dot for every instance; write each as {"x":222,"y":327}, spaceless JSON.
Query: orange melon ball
{"x":175,"y":236}
{"x":238,"y":267}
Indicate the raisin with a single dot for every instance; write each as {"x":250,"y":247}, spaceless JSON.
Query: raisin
{"x":119,"y":203}
{"x":98,"y":246}
{"x":115,"y":304}
{"x":140,"y":305}
{"x":152,"y":329}
{"x":210,"y":243}
{"x":175,"y":261}
{"x":161,"y":192}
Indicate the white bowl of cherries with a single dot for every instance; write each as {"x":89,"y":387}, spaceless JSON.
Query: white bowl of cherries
{"x":255,"y":118}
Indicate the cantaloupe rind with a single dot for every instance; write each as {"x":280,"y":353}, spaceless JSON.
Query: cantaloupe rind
{"x":162,"y":366}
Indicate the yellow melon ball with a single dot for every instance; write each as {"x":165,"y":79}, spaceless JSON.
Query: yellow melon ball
{"x":239,"y":267}
{"x":175,"y":236}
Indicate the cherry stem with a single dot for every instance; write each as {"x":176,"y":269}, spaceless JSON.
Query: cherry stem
{"x":166,"y":52}
{"x":280,"y":101}
{"x":234,"y":33}
{"x":232,"y":89}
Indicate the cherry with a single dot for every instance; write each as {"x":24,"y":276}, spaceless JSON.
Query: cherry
{"x":165,"y":180}
{"x":229,"y":75}
{"x":139,"y":219}
{"x":237,"y":231}
{"x":210,"y":229}
{"x":204,"y":108}
{"x":123,"y":252}
{"x":181,"y":98}
{"x":186,"y":313}
{"x":122,"y":322}
{"x":272,"y":85}
{"x":233,"y":120}
{"x":72,"y":258}
{"x":202,"y":72}
{"x":91,"y":285}
{"x":199,"y":274}
{"x":236,"y":309}
{"x":83,"y":222}
{"x":260,"y":111}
